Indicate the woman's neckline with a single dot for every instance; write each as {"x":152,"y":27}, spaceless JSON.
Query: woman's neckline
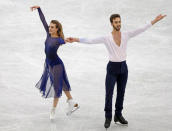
{"x":54,"y":37}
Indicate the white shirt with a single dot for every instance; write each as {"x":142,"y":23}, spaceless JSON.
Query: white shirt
{"x":116,"y":53}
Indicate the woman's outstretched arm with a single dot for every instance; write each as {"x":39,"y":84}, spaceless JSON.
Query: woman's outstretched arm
{"x":41,"y":17}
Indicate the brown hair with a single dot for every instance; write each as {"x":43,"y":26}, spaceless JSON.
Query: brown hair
{"x":60,"y":29}
{"x":113,"y":16}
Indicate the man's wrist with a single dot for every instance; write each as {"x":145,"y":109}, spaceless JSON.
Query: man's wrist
{"x":153,"y":22}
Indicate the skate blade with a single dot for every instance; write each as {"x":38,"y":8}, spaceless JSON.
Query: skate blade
{"x":70,"y":112}
{"x":52,"y":119}
{"x":118,"y":123}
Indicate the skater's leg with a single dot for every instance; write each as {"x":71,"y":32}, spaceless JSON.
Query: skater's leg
{"x":52,"y":113}
{"x":55,"y":102}
{"x":121,"y":85}
{"x":56,"y":75}
{"x":68,"y":95}
{"x":110,"y":83}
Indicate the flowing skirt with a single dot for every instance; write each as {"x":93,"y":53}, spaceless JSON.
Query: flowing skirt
{"x":54,"y":80}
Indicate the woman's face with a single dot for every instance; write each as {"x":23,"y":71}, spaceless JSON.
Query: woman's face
{"x":52,"y":28}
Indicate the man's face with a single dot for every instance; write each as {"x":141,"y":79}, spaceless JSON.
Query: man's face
{"x":116,"y":23}
{"x":52,"y":28}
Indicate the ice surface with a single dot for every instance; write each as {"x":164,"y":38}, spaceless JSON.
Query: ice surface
{"x":148,"y":98}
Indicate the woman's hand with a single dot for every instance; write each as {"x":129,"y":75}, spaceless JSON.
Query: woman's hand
{"x":34,"y":7}
{"x":71,"y":39}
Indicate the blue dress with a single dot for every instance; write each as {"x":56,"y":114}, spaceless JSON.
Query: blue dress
{"x":54,"y":78}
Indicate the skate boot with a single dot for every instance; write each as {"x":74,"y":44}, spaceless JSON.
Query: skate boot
{"x":120,"y":119}
{"x":52,"y":113}
{"x":72,"y":106}
{"x":107,"y":123}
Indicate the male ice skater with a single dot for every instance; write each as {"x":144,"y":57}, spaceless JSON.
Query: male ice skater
{"x":117,"y":71}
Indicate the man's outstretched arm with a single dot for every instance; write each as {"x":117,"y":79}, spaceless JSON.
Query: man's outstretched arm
{"x":144,"y":28}
{"x":86,"y":40}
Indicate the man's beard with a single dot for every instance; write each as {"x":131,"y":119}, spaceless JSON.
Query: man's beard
{"x":117,"y":28}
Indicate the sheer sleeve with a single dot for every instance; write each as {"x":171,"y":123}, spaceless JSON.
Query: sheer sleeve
{"x":41,"y":15}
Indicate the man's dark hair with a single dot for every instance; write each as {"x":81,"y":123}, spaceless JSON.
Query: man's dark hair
{"x":114,"y":16}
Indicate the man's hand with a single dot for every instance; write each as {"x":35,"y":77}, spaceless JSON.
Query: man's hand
{"x":158,"y":18}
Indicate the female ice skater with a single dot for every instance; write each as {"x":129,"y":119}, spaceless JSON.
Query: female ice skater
{"x":54,"y":78}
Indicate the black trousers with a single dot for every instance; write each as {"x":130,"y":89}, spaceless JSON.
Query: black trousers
{"x":116,"y":72}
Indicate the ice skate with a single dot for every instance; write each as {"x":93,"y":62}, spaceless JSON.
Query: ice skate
{"x":120,"y":119}
{"x":107,"y":123}
{"x":52,"y":114}
{"x":72,"y":106}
